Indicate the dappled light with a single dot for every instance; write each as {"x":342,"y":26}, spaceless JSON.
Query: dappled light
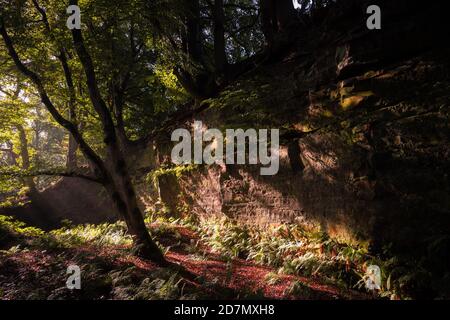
{"x":224,"y":150}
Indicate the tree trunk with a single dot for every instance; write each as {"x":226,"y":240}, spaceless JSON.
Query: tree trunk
{"x":277,"y":16}
{"x":268,"y":20}
{"x":73,"y":145}
{"x":219,"y":37}
{"x":118,"y":105}
{"x":285,"y":13}
{"x":194,"y":74}
{"x":114,"y":172}
{"x":24,"y":154}
{"x":193,"y":32}
{"x":72,"y":162}
{"x":123,"y":194}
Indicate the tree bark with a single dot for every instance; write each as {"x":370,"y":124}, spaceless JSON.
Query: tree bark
{"x":268,"y":20}
{"x":194,"y":74}
{"x":277,"y":16}
{"x":121,"y":190}
{"x":72,"y":161}
{"x":193,"y":32}
{"x":285,"y":14}
{"x":73,"y":145}
{"x":24,"y":154}
{"x":219,"y":37}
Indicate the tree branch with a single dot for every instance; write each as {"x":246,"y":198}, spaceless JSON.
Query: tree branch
{"x":36,"y":80}
{"x":71,"y":156}
{"x":173,"y":120}
{"x":91,"y":80}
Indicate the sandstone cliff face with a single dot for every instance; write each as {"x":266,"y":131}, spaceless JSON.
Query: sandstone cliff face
{"x":365,"y":134}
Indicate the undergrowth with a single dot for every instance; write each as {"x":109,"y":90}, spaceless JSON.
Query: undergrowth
{"x":294,"y":250}
{"x":33,"y":265}
{"x":288,"y":249}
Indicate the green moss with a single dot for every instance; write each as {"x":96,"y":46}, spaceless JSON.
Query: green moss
{"x":176,"y":171}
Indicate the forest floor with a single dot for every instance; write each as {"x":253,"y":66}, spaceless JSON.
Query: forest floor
{"x":34,"y":265}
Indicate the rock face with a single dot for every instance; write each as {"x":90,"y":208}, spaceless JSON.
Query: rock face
{"x":320,"y":195}
{"x":73,"y":199}
{"x":366,"y":132}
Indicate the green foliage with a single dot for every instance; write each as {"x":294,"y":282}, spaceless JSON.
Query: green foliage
{"x":121,"y":282}
{"x":101,"y":235}
{"x":299,"y":289}
{"x":129,"y":62}
{"x":162,"y":284}
{"x":70,"y":236}
{"x":13,"y":228}
{"x":177,"y":171}
{"x":226,"y":237}
{"x":273,"y":278}
{"x":290,"y":249}
{"x":298,"y":251}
